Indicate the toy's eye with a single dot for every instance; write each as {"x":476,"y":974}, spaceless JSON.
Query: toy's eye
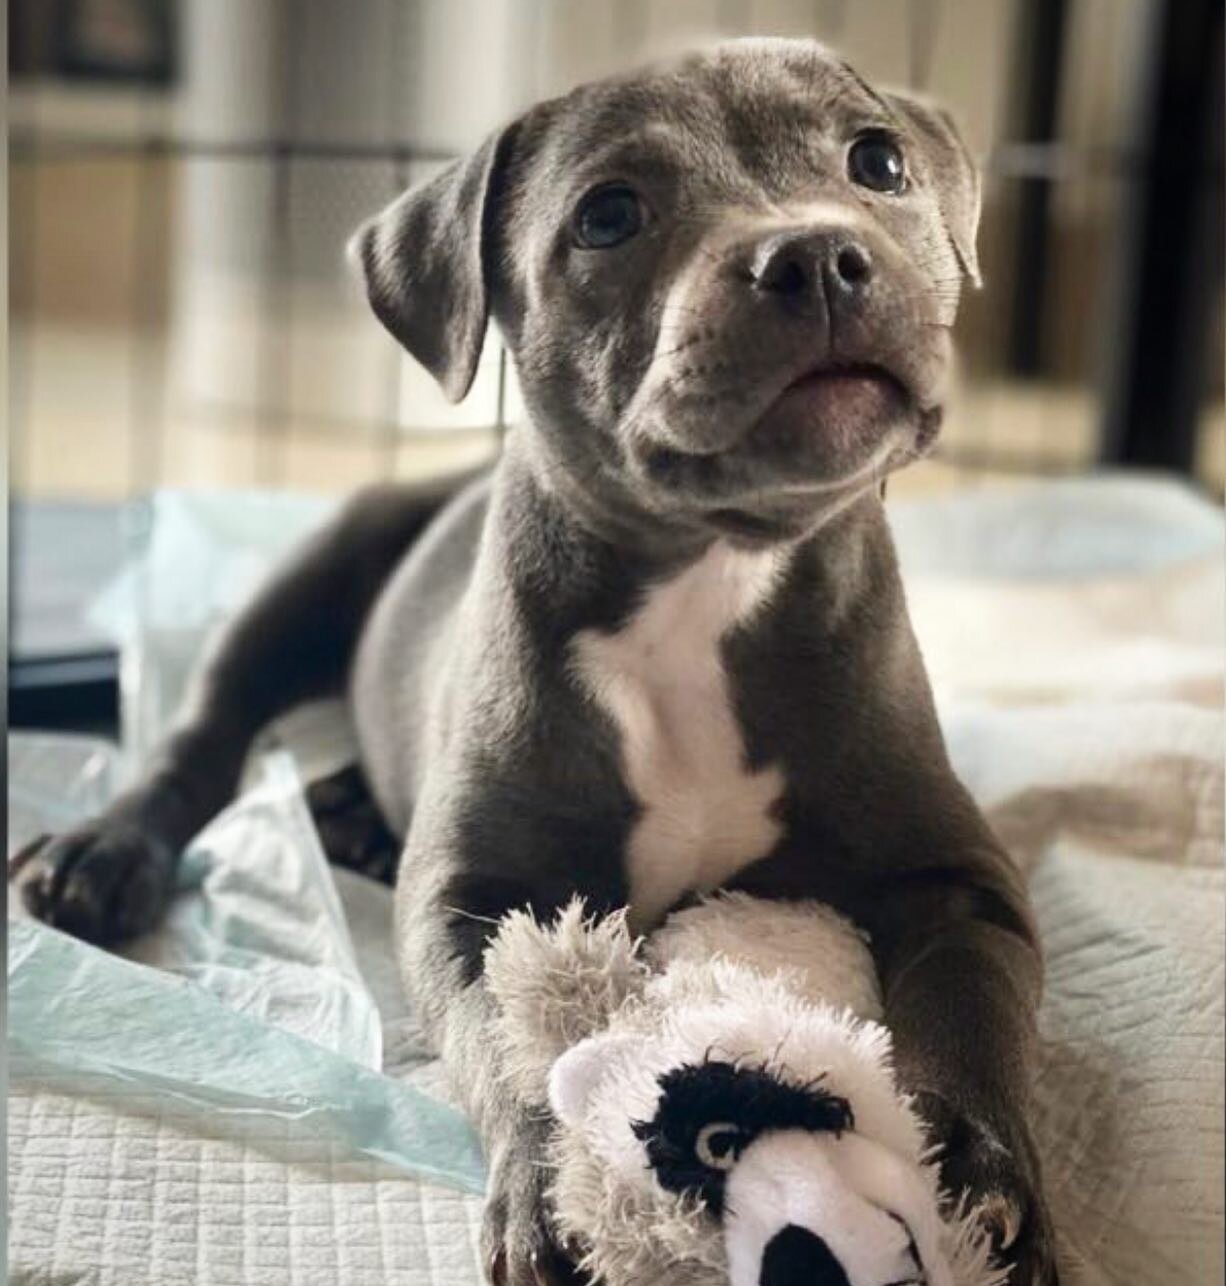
{"x":719,"y":1145}
{"x":876,"y":161}
{"x":607,"y":216}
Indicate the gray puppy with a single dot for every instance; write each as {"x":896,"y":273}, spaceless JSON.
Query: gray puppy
{"x":662,"y":648}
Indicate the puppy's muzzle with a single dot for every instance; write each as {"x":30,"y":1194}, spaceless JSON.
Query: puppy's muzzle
{"x":812,"y":360}
{"x":811,"y":272}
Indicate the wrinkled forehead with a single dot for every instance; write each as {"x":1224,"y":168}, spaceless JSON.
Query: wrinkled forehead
{"x":753,"y":115}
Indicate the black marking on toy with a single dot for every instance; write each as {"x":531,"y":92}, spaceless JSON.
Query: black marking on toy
{"x":749,"y":1100}
{"x":796,"y":1254}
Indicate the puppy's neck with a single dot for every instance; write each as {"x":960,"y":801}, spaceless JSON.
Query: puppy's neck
{"x":601,"y":507}
{"x":588,"y":559}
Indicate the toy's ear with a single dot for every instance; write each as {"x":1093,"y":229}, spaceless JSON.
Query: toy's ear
{"x":953,"y":174}
{"x":556,"y":984}
{"x":577,"y":1073}
{"x":425,"y":261}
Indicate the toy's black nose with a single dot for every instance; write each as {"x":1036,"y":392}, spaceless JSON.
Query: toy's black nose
{"x":798,"y":1257}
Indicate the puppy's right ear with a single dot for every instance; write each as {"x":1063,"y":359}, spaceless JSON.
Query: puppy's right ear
{"x":955,"y":176}
{"x":425,"y":263}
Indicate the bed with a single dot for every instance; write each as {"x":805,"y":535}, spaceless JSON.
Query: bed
{"x":279,"y":1119}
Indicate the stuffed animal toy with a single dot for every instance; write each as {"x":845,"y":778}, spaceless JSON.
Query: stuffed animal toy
{"x":725,"y":1104}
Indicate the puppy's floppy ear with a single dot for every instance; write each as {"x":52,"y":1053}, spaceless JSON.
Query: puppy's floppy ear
{"x":425,"y":260}
{"x":952,"y":172}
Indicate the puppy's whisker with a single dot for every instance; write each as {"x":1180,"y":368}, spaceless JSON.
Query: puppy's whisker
{"x":471,"y":915}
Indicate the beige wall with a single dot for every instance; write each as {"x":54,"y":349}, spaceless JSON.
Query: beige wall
{"x":179,"y":272}
{"x":92,"y":241}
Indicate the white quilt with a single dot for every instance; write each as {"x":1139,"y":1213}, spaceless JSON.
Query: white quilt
{"x":1080,"y":681}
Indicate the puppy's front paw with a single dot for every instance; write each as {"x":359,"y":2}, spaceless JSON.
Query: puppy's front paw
{"x":103,"y":882}
{"x":519,"y":1245}
{"x":998,"y":1170}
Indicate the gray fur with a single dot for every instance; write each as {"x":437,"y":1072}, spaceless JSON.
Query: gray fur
{"x":641,"y":449}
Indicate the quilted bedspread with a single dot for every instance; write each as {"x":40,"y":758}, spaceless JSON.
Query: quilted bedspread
{"x":1082,"y":699}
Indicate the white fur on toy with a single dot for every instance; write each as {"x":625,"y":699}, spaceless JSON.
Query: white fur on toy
{"x":725,"y":1101}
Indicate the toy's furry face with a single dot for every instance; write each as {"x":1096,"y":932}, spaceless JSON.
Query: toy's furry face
{"x":717,"y":1123}
{"x":746,"y":1137}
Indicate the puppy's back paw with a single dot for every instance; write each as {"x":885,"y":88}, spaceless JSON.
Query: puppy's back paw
{"x":351,"y":827}
{"x":101,"y":882}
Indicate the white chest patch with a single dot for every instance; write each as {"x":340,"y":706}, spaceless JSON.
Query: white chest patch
{"x":662,"y":681}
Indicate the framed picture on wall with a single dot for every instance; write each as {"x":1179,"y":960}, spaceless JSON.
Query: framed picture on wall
{"x":127,"y":41}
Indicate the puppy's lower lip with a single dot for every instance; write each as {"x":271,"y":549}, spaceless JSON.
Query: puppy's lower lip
{"x":854,"y":392}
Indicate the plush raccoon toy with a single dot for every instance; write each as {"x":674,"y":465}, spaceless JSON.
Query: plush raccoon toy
{"x":726,"y":1108}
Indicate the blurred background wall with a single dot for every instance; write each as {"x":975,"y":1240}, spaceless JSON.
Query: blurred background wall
{"x":184,"y":176}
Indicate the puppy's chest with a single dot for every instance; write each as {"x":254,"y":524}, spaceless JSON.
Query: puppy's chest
{"x":661,"y":679}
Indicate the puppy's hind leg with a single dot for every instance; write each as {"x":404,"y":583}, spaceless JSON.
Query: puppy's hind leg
{"x":112,"y":877}
{"x":351,"y":827}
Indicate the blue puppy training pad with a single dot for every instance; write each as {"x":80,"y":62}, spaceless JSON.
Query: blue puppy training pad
{"x":261,"y":926}
{"x":81,"y":1020}
{"x":255,"y":1015}
{"x":195,"y":558}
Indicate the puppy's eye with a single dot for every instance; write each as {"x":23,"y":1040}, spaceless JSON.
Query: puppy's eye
{"x":876,"y":161}
{"x":719,"y":1145}
{"x":608,"y":216}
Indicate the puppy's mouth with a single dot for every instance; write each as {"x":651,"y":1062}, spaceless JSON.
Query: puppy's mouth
{"x":827,"y":431}
{"x":829,"y":415}
{"x":823,"y":437}
{"x":838,"y":401}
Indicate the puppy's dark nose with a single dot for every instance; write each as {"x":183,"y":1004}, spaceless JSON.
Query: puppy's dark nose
{"x":799,"y":267}
{"x":798,"y":1257}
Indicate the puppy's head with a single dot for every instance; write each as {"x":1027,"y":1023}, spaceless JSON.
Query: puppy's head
{"x":727,"y":283}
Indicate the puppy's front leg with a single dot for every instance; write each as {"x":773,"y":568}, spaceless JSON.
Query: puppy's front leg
{"x":961,"y":975}
{"x":444,"y":922}
{"x":518,"y":1244}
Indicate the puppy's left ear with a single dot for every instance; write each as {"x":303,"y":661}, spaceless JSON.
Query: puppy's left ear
{"x":952,"y":172}
{"x":425,"y":260}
